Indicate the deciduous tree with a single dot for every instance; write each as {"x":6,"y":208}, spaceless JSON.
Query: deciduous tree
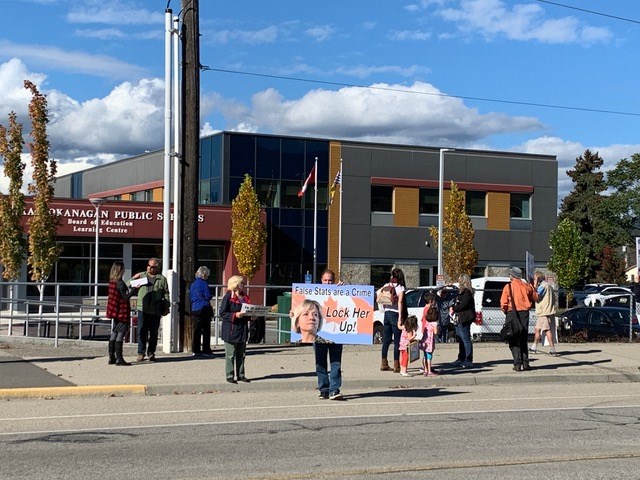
{"x":248,"y":233}
{"x":13,"y":244}
{"x":611,"y":266}
{"x":43,"y":247}
{"x":459,"y":255}
{"x":569,"y":255}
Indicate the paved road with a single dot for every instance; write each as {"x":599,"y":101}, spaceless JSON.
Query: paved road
{"x":526,"y":431}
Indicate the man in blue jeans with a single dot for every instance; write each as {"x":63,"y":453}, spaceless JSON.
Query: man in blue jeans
{"x":329,"y":384}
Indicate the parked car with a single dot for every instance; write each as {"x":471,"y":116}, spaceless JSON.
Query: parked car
{"x":489,"y":316}
{"x":599,"y":322}
{"x":415,"y":304}
{"x":597,"y":298}
{"x":580,"y":295}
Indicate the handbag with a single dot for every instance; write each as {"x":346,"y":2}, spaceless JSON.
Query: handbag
{"x":509,"y":330}
{"x":454,"y":319}
{"x":413,"y":351}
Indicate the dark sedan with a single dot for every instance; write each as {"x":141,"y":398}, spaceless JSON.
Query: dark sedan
{"x":599,"y":322}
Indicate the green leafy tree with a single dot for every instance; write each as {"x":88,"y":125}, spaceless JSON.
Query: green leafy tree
{"x":569,"y":256}
{"x":459,"y":255}
{"x":13,"y":244}
{"x":248,"y":233}
{"x":612,"y":269}
{"x":43,"y":247}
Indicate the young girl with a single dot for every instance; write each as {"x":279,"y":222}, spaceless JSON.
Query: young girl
{"x":429,"y":326}
{"x":408,"y":329}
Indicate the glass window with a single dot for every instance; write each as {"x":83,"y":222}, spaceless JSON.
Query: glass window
{"x":212,"y":257}
{"x":293,"y":160}
{"x":429,"y":201}
{"x":267,"y":191}
{"x":520,"y":205}
{"x":242,"y":149}
{"x":289,"y":194}
{"x":381,"y":198}
{"x":323,"y":196}
{"x":205,"y":158}
{"x":268,"y":157}
{"x":475,"y":203}
{"x":380,"y":274}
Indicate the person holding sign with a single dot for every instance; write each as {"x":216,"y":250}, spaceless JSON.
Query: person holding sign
{"x":329,"y":384}
{"x":235,"y":328}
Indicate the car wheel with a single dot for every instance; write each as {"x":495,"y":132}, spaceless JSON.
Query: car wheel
{"x":378,"y":334}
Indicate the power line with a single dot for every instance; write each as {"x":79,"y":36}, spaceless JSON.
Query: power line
{"x":590,"y":11}
{"x":391,"y":89}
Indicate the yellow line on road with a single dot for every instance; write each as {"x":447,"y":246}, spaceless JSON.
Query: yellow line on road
{"x":72,"y":391}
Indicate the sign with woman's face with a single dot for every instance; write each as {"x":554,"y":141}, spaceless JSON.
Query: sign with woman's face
{"x":332,"y":313}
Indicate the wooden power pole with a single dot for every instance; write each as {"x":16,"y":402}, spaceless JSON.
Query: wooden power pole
{"x":190,"y":160}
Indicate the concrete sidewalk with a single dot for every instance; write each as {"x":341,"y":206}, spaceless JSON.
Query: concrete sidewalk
{"x":32,"y":367}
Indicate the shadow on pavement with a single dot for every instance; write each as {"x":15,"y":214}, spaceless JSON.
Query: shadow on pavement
{"x":422,"y":392}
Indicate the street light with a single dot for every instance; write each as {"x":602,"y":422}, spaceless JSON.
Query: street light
{"x":441,"y":207}
{"x":97,"y":203}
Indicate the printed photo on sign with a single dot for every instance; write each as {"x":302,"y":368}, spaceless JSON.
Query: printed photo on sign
{"x":332,"y":313}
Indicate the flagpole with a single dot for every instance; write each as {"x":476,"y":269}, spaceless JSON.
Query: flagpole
{"x":340,"y":227}
{"x":315,"y":220}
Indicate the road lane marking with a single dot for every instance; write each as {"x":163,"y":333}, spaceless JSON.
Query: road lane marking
{"x":350,"y":403}
{"x":318,"y":418}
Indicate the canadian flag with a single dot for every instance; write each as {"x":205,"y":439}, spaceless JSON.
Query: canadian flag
{"x":309,"y":181}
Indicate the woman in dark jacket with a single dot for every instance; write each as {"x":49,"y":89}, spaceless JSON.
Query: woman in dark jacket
{"x":464,"y":307}
{"x":119,"y":311}
{"x":235,"y":328}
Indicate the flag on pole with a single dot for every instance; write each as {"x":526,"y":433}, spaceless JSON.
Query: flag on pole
{"x":309,"y":181}
{"x":334,"y":186}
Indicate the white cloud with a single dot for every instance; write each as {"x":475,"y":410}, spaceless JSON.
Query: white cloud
{"x":70,"y":62}
{"x":417,"y":114}
{"x":492,"y":18}
{"x":567,"y":152}
{"x":321,"y":32}
{"x":404,"y":35}
{"x":251,"y":37}
{"x":364,"y":71}
{"x":114,"y":13}
{"x":128,"y":120}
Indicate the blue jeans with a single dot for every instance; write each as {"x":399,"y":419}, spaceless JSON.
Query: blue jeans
{"x":465,"y":346}
{"x":391,"y":333}
{"x":148,"y":326}
{"x":332,"y":382}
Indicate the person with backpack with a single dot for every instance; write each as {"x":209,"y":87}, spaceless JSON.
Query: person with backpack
{"x":390,"y":298}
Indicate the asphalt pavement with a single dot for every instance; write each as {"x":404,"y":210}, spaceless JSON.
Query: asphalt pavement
{"x":34,"y":368}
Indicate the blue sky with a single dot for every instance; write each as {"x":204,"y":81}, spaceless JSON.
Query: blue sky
{"x":430,"y":63}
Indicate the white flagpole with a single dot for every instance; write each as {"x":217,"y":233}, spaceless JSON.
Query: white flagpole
{"x":315,"y":220}
{"x":340,"y":226}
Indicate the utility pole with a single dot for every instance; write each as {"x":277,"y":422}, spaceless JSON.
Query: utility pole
{"x":191,"y":159}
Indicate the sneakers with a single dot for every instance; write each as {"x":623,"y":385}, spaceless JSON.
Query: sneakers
{"x":140,"y":357}
{"x":336,"y":396}
{"x":467,"y":365}
{"x":553,"y":353}
{"x":457,"y":363}
{"x":152,"y":357}
{"x":244,"y":379}
{"x":406,"y":374}
{"x":323,"y":396}
{"x":533,"y":350}
{"x":231,"y":380}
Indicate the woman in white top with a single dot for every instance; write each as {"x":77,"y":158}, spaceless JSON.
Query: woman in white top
{"x":391,"y":313}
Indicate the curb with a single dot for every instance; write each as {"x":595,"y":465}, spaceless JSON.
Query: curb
{"x":75,"y":391}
